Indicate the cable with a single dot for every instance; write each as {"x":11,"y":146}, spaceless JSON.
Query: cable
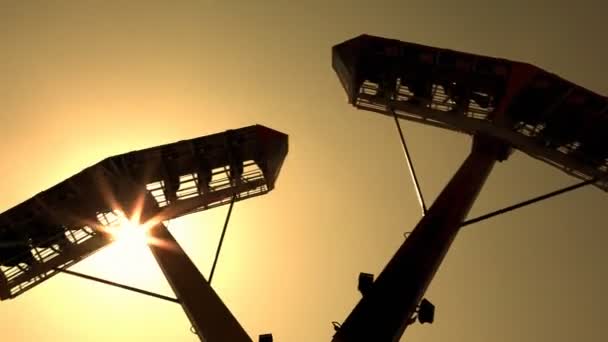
{"x":219,"y":247}
{"x":531,"y":201}
{"x":409,"y":163}
{"x":125,"y":287}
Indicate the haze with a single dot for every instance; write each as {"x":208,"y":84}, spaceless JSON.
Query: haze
{"x":84,"y":80}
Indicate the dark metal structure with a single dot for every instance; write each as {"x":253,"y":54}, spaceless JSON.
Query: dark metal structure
{"x":64,"y":224}
{"x":504,"y":105}
{"x":535,"y":111}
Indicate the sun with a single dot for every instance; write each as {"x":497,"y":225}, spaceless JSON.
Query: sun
{"x":125,"y":230}
{"x":129,"y":231}
{"x":127,"y":259}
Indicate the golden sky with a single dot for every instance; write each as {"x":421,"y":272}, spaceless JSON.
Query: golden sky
{"x":83,"y":80}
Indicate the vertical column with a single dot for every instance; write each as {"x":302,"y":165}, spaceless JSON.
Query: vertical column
{"x":383,"y":313}
{"x":207,"y":313}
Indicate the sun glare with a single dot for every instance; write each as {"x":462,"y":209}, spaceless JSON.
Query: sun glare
{"x":127,"y":230}
{"x":130,"y":232}
{"x":127,"y":259}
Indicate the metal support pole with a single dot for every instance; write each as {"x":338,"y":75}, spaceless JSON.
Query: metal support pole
{"x":383,"y":314}
{"x":209,"y":316}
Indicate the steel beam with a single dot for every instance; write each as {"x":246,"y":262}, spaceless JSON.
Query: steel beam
{"x":383,"y":314}
{"x":209,"y":316}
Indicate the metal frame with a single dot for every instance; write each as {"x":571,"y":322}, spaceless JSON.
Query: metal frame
{"x":367,"y":66}
{"x":162,"y":183}
{"x":384,"y":313}
{"x":371,"y":70}
{"x":116,"y":181}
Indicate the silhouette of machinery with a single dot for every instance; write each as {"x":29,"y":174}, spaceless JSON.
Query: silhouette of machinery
{"x":504,"y":105}
{"x":66,"y":223}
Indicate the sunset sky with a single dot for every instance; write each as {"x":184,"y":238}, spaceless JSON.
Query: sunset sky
{"x":84,"y":80}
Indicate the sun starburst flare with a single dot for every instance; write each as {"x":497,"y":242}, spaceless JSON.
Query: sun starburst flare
{"x":130,"y":231}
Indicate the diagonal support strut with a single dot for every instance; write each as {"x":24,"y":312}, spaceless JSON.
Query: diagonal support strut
{"x":219,"y":247}
{"x":530,"y":201}
{"x":111,"y":283}
{"x":410,"y":165}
